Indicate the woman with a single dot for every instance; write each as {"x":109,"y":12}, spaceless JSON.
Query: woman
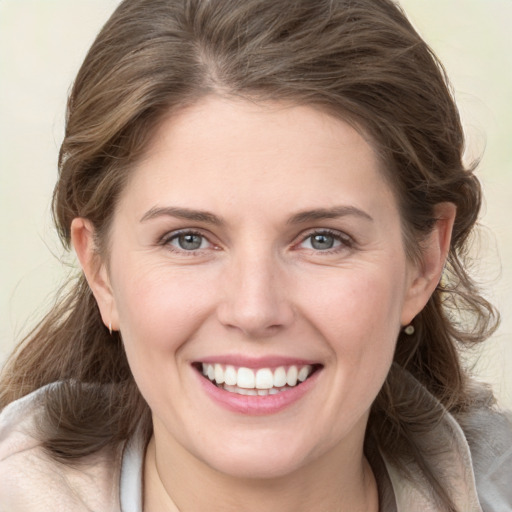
{"x":269,"y":206}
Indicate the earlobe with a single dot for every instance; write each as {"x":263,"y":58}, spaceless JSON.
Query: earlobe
{"x":83,"y":240}
{"x":426,"y":273}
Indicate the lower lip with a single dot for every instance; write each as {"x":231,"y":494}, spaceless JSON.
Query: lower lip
{"x":257,"y":405}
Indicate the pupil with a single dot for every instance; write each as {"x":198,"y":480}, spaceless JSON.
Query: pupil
{"x":322,"y":242}
{"x":190,"y":242}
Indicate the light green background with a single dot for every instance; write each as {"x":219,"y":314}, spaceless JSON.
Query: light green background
{"x":42,"y":43}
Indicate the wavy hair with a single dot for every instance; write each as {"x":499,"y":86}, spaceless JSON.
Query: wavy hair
{"x":359,"y":60}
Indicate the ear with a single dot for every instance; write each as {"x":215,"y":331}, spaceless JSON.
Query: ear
{"x":425,"y":274}
{"x":95,"y":270}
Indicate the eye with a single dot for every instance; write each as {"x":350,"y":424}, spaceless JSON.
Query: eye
{"x":322,"y":241}
{"x":186,"y":241}
{"x":325,"y":241}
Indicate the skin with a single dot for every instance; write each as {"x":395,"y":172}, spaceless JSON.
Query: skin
{"x":258,"y":287}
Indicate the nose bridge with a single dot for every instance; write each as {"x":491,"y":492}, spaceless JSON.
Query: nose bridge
{"x":255,"y":296}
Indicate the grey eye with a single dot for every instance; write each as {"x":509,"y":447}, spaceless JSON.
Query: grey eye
{"x":189,"y":241}
{"x":325,"y":241}
{"x":322,"y":241}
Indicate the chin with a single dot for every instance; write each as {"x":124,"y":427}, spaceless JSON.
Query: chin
{"x":257,"y":462}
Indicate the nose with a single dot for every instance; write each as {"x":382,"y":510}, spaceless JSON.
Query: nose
{"x":255,"y":297}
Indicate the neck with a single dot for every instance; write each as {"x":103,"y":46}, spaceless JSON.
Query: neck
{"x":346,"y":487}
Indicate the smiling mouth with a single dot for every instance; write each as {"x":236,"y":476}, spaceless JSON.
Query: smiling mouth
{"x":256,"y":382}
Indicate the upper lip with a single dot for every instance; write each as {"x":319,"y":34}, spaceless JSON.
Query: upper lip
{"x":244,"y":361}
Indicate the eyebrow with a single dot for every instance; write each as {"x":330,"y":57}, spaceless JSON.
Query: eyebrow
{"x":298,"y":218}
{"x":328,"y":213}
{"x":183,"y":213}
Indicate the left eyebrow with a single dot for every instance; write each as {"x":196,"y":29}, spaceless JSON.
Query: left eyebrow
{"x":182,"y":213}
{"x":328,"y":213}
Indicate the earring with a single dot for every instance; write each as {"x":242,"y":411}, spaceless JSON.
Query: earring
{"x":110,"y":328}
{"x":409,"y":330}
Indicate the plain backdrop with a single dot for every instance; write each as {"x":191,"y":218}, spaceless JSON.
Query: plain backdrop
{"x":42,"y":43}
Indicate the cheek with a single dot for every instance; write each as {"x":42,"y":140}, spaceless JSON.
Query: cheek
{"x":358,"y":316}
{"x":158,"y":309}
{"x":357,"y":306}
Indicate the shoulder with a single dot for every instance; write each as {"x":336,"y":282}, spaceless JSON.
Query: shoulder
{"x":470,"y":454}
{"x":32,"y":480}
{"x":489,"y":435}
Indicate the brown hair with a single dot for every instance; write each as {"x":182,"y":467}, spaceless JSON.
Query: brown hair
{"x":360,"y":60}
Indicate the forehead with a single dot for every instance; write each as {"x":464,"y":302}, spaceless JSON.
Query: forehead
{"x":221,"y":152}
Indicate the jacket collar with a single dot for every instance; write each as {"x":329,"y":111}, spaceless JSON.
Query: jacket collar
{"x":443,"y":447}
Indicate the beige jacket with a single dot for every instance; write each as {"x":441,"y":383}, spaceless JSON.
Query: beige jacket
{"x":478,"y":467}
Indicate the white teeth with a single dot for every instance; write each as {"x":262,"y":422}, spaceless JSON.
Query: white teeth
{"x":230,"y":375}
{"x":254,"y":392}
{"x":304,"y":373}
{"x":263,"y":381}
{"x":245,"y":378}
{"x":280,"y":377}
{"x":291,"y":376}
{"x":219,"y":374}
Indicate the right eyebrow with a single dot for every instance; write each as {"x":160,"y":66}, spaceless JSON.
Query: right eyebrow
{"x":182,"y":213}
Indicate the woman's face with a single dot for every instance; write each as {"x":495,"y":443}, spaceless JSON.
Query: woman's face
{"x":261,"y":243}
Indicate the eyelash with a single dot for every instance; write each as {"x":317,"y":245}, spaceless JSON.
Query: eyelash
{"x":345,"y":241}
